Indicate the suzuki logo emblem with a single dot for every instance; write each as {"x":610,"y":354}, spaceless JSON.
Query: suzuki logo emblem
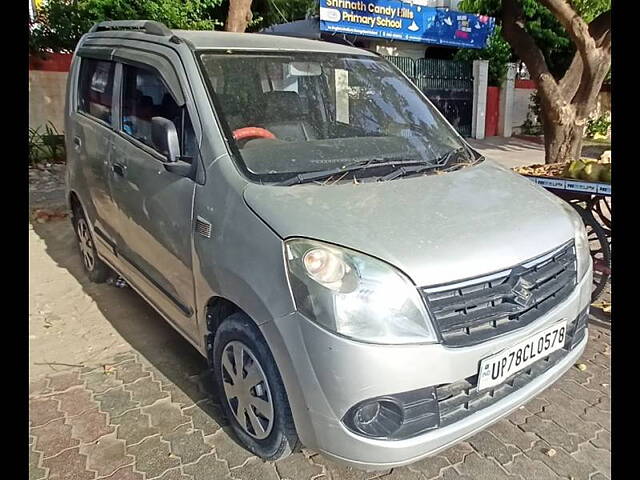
{"x":522,"y":294}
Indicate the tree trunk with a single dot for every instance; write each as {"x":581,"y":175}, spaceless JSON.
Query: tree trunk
{"x":562,"y":142}
{"x":239,"y":15}
{"x":565,"y":105}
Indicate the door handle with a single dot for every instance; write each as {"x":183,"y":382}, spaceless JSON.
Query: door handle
{"x":119,"y":168}
{"x":77,"y":143}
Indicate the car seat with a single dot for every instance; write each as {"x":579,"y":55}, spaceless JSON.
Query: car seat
{"x":285,"y":117}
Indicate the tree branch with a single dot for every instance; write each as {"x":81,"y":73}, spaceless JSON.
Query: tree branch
{"x":573,"y":23}
{"x":600,"y":30}
{"x":525,"y":47}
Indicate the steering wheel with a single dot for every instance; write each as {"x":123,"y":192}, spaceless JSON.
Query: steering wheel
{"x":247,"y":133}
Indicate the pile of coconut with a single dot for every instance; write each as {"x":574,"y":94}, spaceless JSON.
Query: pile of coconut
{"x":587,"y":169}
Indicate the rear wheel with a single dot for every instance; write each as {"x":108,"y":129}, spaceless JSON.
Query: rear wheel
{"x":251,"y":390}
{"x":96,"y":269}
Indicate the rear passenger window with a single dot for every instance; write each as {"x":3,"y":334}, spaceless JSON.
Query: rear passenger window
{"x":145,"y":96}
{"x":95,"y":92}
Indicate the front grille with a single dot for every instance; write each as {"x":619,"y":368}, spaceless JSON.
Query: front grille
{"x":471,"y":312}
{"x":461,"y":399}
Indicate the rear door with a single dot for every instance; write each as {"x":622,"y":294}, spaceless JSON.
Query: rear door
{"x":90,"y":127}
{"x":155,"y":206}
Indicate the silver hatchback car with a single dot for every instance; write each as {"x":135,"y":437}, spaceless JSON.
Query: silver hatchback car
{"x":360,"y":279}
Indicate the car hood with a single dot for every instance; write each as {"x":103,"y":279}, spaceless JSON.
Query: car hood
{"x":436,"y":228}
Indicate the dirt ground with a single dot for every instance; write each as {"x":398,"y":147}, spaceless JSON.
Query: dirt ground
{"x":73,"y":322}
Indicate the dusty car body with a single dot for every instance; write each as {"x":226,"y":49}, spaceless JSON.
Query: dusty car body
{"x":360,"y":280}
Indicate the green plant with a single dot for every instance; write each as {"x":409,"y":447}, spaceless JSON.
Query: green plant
{"x":59,"y":24}
{"x":46,"y":147}
{"x":497,"y":52}
{"x":598,"y":126}
{"x":549,"y":35}
{"x":531,"y":125}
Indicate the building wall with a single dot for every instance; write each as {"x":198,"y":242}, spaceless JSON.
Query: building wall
{"x":522,"y":100}
{"x":47,"y":98}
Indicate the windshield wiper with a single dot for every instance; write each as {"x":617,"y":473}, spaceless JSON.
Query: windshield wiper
{"x":373,"y":163}
{"x":409,"y":169}
{"x":434,"y":164}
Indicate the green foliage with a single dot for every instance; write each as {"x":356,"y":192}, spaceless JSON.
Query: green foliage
{"x":47,"y":146}
{"x":598,"y":126}
{"x":541,"y":24}
{"x":60,"y":23}
{"x":272,"y":12}
{"x":498,"y":53}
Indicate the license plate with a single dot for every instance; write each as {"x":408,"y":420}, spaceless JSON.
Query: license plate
{"x":496,"y":368}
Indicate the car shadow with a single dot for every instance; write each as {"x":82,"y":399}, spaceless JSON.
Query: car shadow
{"x":138,"y":324}
{"x":598,"y":317}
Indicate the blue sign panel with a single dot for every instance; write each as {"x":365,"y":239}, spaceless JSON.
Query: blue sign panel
{"x":407,"y":21}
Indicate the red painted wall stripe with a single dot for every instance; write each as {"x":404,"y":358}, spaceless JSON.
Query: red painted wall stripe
{"x":492,"y":112}
{"x":521,"y":83}
{"x":55,"y":62}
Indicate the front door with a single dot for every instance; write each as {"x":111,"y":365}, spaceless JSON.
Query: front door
{"x":155,"y":205}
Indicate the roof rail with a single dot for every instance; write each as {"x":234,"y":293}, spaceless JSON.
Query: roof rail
{"x":148,"y":26}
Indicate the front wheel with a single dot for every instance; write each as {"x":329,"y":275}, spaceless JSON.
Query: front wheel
{"x":251,"y":390}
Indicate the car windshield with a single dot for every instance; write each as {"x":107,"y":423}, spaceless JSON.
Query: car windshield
{"x":293,"y":113}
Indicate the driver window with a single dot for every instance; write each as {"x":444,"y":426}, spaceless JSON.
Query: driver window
{"x":145,"y":96}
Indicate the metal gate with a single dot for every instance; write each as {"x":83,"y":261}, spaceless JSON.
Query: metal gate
{"x":447,"y":83}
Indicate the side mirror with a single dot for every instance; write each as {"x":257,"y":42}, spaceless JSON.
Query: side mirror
{"x":165,"y":138}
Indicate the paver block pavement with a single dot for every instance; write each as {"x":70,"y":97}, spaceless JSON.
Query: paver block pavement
{"x":187,"y":444}
{"x":428,"y":467}
{"x":53,"y":438}
{"x":43,"y":410}
{"x":106,"y":455}
{"x":146,"y":391}
{"x":131,"y":422}
{"x":487,"y":443}
{"x":75,"y":401}
{"x":115,"y":401}
{"x":134,"y":426}
{"x":227,"y":449}
{"x":65,"y":380}
{"x":68,"y":465}
{"x":153,"y":456}
{"x":90,"y":426}
{"x":254,"y":469}
{"x":206,"y":468}
{"x":297,"y":466}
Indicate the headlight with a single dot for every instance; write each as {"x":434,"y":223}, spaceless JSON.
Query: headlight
{"x":355,"y":295}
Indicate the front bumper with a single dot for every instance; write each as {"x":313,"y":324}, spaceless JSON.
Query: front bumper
{"x":325,"y":375}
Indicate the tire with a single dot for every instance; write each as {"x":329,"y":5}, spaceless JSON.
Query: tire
{"x":269,"y":432}
{"x":600,"y":251}
{"x":96,"y":269}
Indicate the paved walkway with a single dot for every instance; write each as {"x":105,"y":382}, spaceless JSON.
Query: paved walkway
{"x":510,"y":152}
{"x":116,"y":394}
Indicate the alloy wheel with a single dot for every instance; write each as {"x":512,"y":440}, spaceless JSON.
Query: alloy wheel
{"x":247,"y":390}
{"x":86,"y":244}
